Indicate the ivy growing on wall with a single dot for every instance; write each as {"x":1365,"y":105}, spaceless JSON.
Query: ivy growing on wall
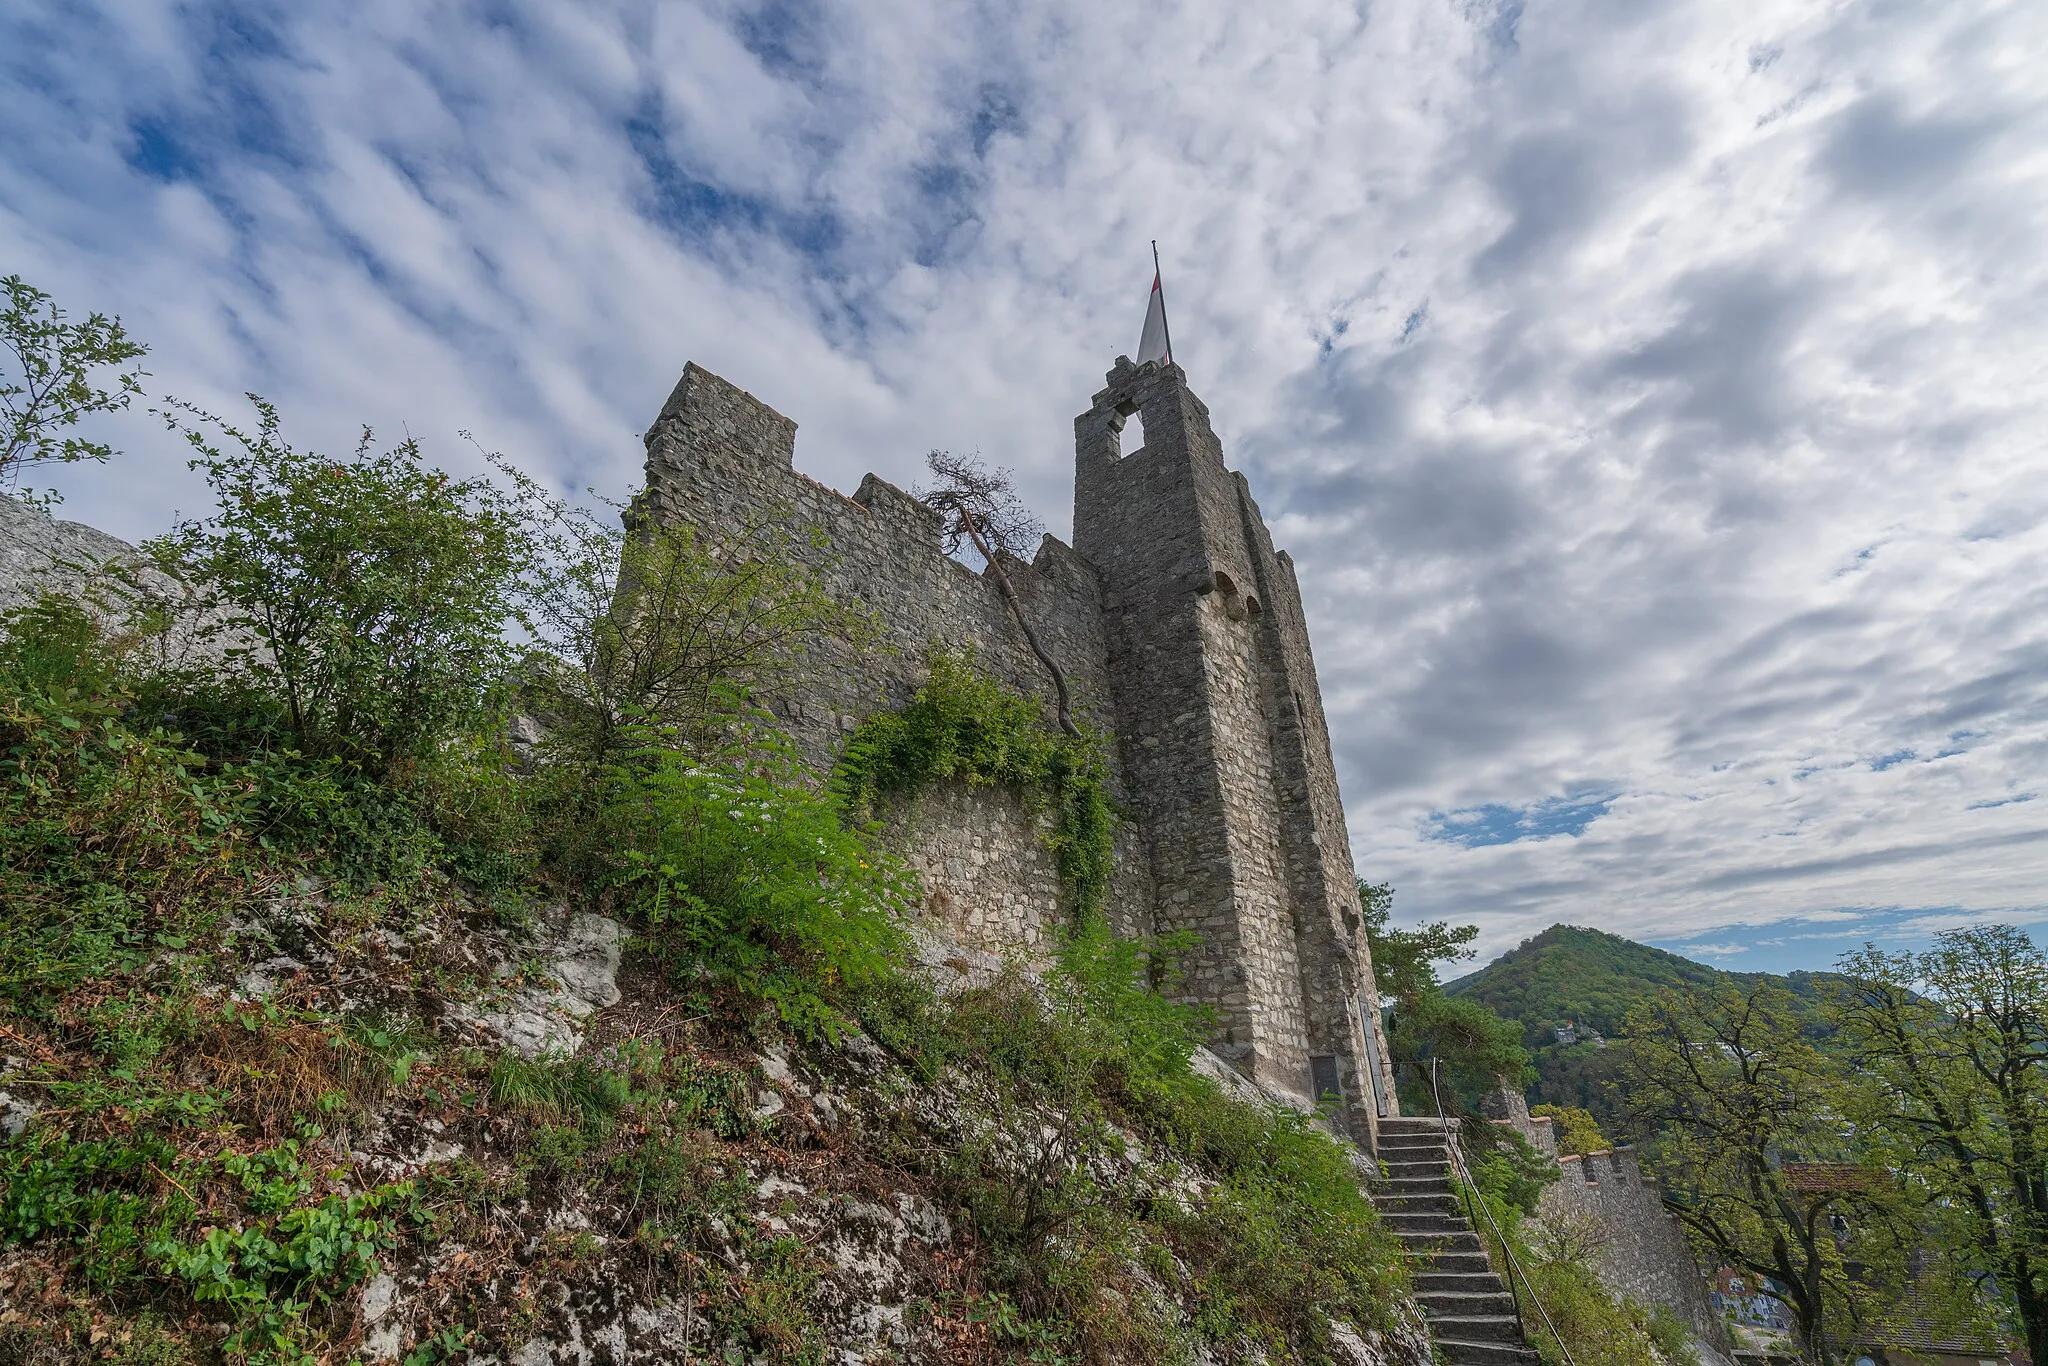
{"x":964,"y":723}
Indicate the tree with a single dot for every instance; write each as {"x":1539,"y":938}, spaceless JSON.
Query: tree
{"x":50,"y":380}
{"x":1578,"y":1132}
{"x":1951,"y":1051}
{"x":369,"y":598}
{"x":1477,"y":1050}
{"x":980,"y":507}
{"x":658,"y":626}
{"x":1743,"y":1120}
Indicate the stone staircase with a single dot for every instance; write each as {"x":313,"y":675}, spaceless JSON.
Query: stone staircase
{"x":1471,"y":1314}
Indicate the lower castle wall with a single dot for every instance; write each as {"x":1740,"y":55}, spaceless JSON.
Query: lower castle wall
{"x":990,"y":883}
{"x":1642,"y":1254}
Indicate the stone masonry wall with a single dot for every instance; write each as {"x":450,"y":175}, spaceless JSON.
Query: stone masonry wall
{"x":991,"y":882}
{"x":1643,"y":1254}
{"x":722,"y":460}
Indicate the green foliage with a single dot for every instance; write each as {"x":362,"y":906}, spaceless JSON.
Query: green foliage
{"x":106,"y":1198}
{"x":1747,"y":1124}
{"x":1948,"y":1080}
{"x":1404,"y":961}
{"x":368,"y":598}
{"x":270,"y":1274}
{"x":1476,"y":1051}
{"x":124,"y":1208}
{"x":1568,"y":975}
{"x":1513,"y":1169}
{"x":1593,"y":979}
{"x":113,"y":840}
{"x":736,"y":865}
{"x":1578,"y":1133}
{"x":51,"y":379}
{"x":576,"y":1088}
{"x":963,"y":723}
{"x":1279,"y":1244}
{"x":657,"y":628}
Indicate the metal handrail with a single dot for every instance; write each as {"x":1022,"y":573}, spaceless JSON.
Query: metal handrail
{"x":1471,"y":1188}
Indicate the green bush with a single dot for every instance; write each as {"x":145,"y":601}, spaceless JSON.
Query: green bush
{"x":270,"y":1275}
{"x":1578,"y":1132}
{"x":114,"y":841}
{"x":367,"y":598}
{"x":657,"y":626}
{"x":1282,"y":1242}
{"x":963,"y":723}
{"x":736,"y":865}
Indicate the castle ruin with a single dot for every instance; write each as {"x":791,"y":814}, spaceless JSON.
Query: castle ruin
{"x":1181,"y":631}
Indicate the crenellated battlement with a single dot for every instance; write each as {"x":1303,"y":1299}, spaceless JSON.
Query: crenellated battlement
{"x":1181,"y":631}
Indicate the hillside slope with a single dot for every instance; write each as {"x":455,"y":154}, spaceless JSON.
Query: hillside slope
{"x":1571,"y":975}
{"x":1592,"y":980}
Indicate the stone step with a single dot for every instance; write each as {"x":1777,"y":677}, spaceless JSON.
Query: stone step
{"x":1408,"y":1124}
{"x":1456,"y":1353}
{"x":1476,"y":1328}
{"x":1434,"y":1247}
{"x":1454,"y":1262}
{"x":1418,"y":1171}
{"x":1405,"y":1142}
{"x":1488,"y":1302}
{"x":1476,"y":1281}
{"x":1403,"y":1223}
{"x":1419,"y":1202}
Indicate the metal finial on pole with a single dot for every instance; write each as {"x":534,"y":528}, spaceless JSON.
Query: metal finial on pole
{"x":1160,"y":276}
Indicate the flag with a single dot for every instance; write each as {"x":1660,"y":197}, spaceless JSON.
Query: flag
{"x":1153,"y":345}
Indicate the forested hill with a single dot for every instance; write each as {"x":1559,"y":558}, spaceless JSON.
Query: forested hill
{"x":1589,"y":977}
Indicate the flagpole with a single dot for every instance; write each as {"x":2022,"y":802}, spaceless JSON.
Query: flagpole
{"x":1164,"y":325}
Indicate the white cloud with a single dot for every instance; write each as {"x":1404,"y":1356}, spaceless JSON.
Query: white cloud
{"x":1708,"y":474}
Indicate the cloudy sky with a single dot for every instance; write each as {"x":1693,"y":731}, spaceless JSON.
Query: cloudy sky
{"x":1652,"y":391}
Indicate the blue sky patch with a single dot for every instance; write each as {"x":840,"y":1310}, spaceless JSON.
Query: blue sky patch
{"x":1816,"y":942}
{"x":1475,"y":827}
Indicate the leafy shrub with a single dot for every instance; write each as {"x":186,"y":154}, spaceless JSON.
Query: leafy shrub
{"x":1281,"y":1243}
{"x":113,"y":840}
{"x":269,"y":1275}
{"x":737,"y":866}
{"x":48,"y":380}
{"x":657,"y":626}
{"x":106,"y":1198}
{"x":367,"y":597}
{"x":963,"y":723}
{"x":1512,"y":1168}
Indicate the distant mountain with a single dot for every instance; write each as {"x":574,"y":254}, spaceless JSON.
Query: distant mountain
{"x":1590,"y":980}
{"x":1568,"y":975}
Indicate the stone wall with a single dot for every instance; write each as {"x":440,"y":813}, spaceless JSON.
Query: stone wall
{"x":1642,"y":1254}
{"x":991,"y":883}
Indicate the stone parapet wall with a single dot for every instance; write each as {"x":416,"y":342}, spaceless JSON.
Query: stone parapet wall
{"x":1641,"y":1254}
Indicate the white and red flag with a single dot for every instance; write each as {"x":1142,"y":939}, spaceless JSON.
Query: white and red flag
{"x":1157,"y":342}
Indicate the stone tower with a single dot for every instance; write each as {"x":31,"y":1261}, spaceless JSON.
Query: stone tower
{"x":1227,"y":756}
